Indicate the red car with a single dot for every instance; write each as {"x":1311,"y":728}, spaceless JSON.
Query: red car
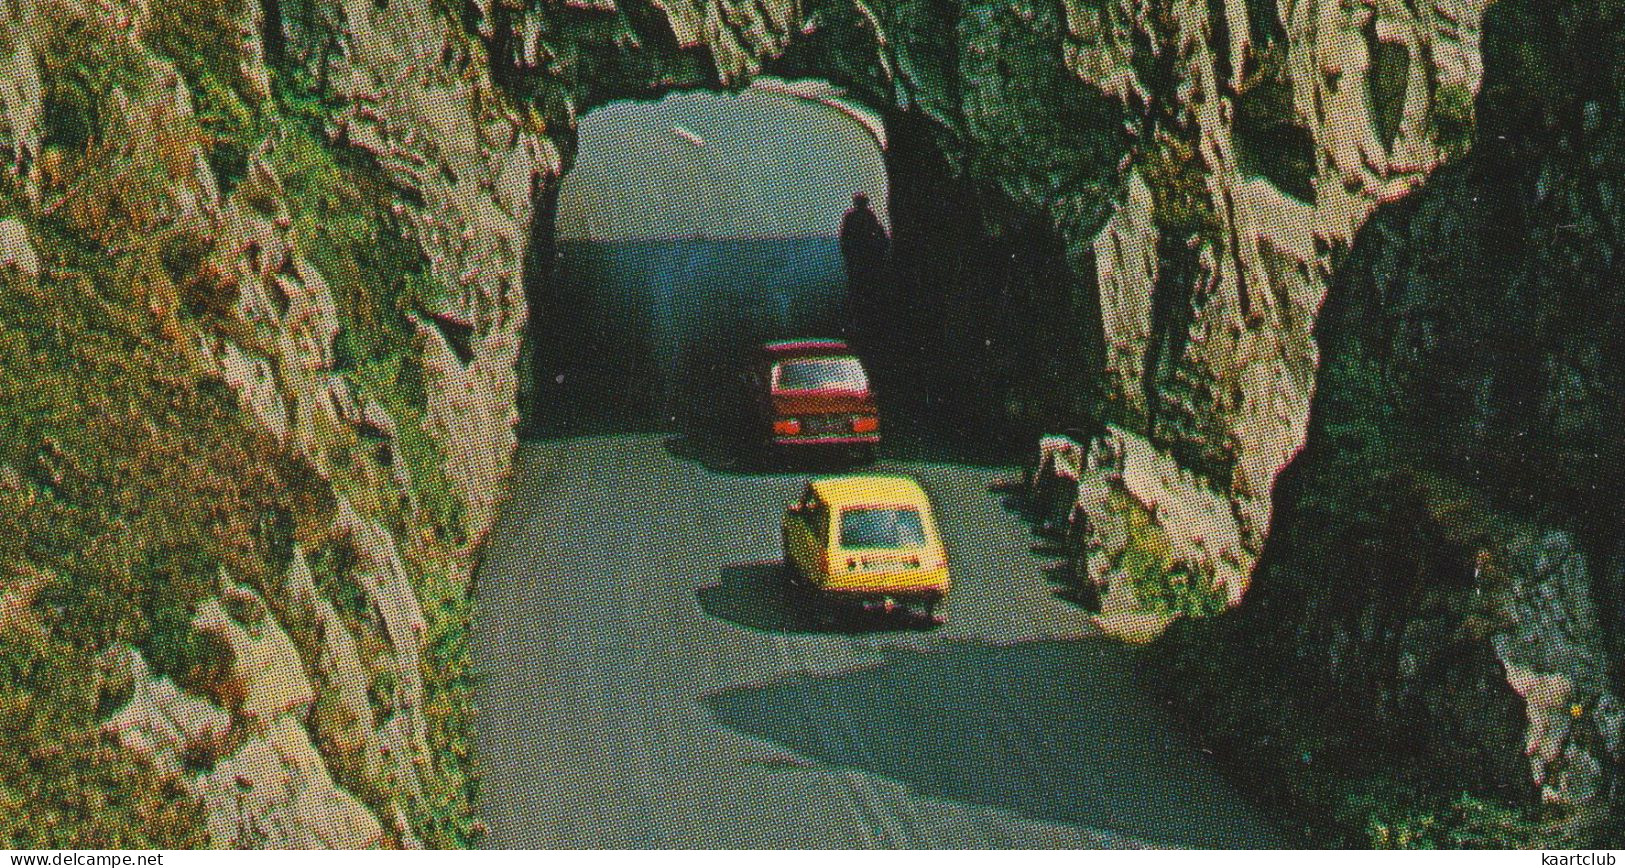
{"x":813,"y":393}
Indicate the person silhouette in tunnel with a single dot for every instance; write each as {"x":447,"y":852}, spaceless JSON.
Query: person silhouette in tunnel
{"x":864,"y":246}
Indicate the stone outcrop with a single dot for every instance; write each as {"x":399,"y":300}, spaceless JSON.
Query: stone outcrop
{"x":261,"y":779}
{"x":1554,"y":657}
{"x":1213,"y":269}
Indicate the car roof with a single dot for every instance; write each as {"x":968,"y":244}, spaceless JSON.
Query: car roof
{"x":824,"y":346}
{"x":859,"y":490}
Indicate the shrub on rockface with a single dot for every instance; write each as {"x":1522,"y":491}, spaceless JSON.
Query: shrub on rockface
{"x":204,"y":40}
{"x":63,"y":782}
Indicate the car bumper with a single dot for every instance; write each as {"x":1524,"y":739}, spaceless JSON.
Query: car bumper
{"x":917,"y":603}
{"x":827,"y":440}
{"x":923,"y":585}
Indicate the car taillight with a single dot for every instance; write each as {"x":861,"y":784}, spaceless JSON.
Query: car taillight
{"x":864,"y":424}
{"x":787,"y":426}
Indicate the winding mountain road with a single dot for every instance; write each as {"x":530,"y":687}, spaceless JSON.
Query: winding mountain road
{"x":646,"y":685}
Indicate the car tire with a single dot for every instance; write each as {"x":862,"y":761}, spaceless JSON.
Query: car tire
{"x":933,"y":616}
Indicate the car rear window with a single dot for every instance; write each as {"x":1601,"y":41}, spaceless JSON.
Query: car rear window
{"x":881,"y":528}
{"x":836,"y":372}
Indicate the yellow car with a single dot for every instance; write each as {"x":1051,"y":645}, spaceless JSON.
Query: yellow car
{"x":869,"y":542}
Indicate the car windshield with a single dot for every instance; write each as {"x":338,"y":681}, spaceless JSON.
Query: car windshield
{"x":881,"y":528}
{"x":836,"y":372}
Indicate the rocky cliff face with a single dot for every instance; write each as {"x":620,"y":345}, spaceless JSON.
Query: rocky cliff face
{"x":262,"y":305}
{"x":267,"y":270}
{"x":1445,"y":576}
{"x":1266,"y":137}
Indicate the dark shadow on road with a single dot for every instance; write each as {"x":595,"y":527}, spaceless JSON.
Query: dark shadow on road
{"x":1072,"y":588}
{"x":918,"y":428}
{"x":714,"y":454}
{"x":1056,"y":731}
{"x":756,"y":595}
{"x":720,"y":453}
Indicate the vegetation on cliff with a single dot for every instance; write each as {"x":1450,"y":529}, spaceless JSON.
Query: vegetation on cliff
{"x":133,"y":484}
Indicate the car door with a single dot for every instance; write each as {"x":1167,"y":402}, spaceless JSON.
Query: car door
{"x":805,"y":532}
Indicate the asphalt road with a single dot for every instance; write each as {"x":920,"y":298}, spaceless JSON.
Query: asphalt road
{"x":646,"y":685}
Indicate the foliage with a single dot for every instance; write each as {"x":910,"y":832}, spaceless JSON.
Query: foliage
{"x":1396,"y":818}
{"x":380,"y":278}
{"x":1162,"y":584}
{"x":1454,"y":118}
{"x":63,"y":782}
{"x":448,"y":818}
{"x":203,"y":39}
{"x":1182,"y":205}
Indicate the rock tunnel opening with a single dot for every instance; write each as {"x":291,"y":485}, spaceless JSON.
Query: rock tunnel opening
{"x":693,"y":226}
{"x":689,"y":228}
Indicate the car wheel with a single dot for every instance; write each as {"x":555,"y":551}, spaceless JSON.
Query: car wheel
{"x":823,"y":615}
{"x":933,"y":615}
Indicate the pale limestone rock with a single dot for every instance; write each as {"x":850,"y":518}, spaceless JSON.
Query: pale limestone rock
{"x":343,"y":715}
{"x":163,"y":722}
{"x":16,"y":252}
{"x":1127,"y":252}
{"x":1263,"y":281}
{"x":275,"y":793}
{"x":265,"y":660}
{"x":254,"y":379}
{"x":384,"y":577}
{"x":435,"y":137}
{"x":737,"y":33}
{"x":273,"y":790}
{"x":22,"y":102}
{"x":1203,"y":534}
{"x":1554,"y":658}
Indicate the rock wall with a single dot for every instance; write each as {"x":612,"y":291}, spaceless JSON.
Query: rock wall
{"x":1267,"y":137}
{"x":1445,"y":577}
{"x":303,"y":224}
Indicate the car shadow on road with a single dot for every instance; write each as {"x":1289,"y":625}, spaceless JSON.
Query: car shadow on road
{"x":718,"y":455}
{"x":755,"y":595}
{"x":1060,"y":732}
{"x":712,"y":454}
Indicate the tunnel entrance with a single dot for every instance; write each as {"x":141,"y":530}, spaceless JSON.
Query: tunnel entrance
{"x":690,"y":230}
{"x":694,"y":227}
